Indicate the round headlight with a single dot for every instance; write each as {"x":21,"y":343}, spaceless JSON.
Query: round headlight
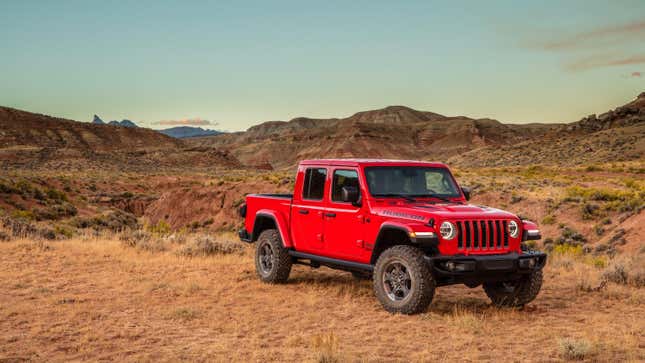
{"x":447,"y":230}
{"x":513,"y":229}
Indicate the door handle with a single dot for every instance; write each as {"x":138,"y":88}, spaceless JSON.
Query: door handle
{"x":330,"y":215}
{"x":303,"y":211}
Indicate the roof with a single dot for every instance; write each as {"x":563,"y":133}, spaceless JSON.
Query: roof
{"x":371,"y":162}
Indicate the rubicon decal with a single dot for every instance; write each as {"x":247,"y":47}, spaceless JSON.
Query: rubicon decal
{"x":390,"y":213}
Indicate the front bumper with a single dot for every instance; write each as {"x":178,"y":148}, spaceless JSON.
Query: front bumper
{"x":473,"y":270}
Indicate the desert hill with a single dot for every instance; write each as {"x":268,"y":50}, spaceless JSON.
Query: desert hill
{"x":33,"y":140}
{"x":397,"y":132}
{"x":402,"y":132}
{"x":391,"y":132}
{"x":22,"y":128}
{"x":616,"y":135}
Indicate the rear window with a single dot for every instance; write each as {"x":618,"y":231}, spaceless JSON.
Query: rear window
{"x":314,"y":185}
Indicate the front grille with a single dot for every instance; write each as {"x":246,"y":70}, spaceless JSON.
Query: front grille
{"x":484,"y":235}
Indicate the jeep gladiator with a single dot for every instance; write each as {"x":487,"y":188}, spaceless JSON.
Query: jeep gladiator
{"x":407,"y":225}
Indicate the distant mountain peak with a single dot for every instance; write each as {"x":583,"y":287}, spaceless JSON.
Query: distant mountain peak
{"x":123,"y":123}
{"x":128,"y":123}
{"x":181,"y":132}
{"x":97,"y":120}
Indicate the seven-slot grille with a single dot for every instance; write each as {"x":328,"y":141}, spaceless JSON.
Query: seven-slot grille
{"x":483,"y":235}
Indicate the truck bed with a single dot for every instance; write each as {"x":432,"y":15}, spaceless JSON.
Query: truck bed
{"x":277,"y":204}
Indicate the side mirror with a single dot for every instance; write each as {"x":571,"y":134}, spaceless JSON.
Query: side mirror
{"x":349,"y":194}
{"x":466,"y":192}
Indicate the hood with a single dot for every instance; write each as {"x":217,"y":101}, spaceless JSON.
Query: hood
{"x":442,"y":211}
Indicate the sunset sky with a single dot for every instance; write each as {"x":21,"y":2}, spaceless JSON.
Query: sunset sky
{"x":232,"y":64}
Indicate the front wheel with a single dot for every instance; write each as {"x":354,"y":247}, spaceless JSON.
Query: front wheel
{"x":515,"y":293}
{"x":272,"y":260}
{"x":402,"y":279}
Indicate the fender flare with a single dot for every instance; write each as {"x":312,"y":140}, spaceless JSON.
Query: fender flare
{"x":389,"y":225}
{"x":530,"y":231}
{"x":280,"y":223}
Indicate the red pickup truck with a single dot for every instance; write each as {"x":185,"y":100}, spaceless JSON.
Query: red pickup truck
{"x":407,"y":225}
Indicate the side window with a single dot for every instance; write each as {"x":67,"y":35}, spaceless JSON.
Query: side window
{"x":314,"y":185}
{"x":343,"y":178}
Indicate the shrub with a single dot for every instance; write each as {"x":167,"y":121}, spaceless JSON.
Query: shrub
{"x":38,"y":194}
{"x":116,"y":221}
{"x":7,"y":189}
{"x":592,"y":168}
{"x":326,"y":348}
{"x":185,"y":314}
{"x":618,"y":238}
{"x":134,"y":238}
{"x":575,"y":349}
{"x":176,"y":238}
{"x":549,"y":219}
{"x":589,"y":210}
{"x":4,"y":237}
{"x":206,"y":246}
{"x":599,"y":230}
{"x":161,"y":228}
{"x":18,"y":227}
{"x":24,"y":187}
{"x":63,"y":231}
{"x":567,"y":249}
{"x":516,"y":199}
{"x":144,"y":241}
{"x":56,"y":212}
{"x":24,"y":215}
{"x":54,"y":194}
{"x":571,"y":236}
{"x":616,"y":273}
{"x":618,"y":200}
{"x":598,"y":262}
{"x":626,"y":272}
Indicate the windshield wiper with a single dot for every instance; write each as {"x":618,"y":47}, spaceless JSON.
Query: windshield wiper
{"x":404,"y":196}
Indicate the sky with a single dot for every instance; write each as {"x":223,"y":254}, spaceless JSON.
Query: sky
{"x":232,"y":64}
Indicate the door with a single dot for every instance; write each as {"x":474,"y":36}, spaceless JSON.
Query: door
{"x":344,"y":222}
{"x":307,"y":209}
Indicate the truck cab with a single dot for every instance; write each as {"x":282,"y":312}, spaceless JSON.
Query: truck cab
{"x":406,"y":224}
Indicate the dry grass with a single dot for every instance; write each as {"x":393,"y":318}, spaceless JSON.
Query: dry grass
{"x":97,"y":299}
{"x":575,"y":349}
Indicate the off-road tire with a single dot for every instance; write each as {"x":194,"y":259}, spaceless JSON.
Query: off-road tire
{"x":280,"y":259}
{"x":422,"y":284}
{"x":523,"y":292}
{"x":361,"y":275}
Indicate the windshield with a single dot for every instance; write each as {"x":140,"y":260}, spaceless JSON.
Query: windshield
{"x":410,"y":181}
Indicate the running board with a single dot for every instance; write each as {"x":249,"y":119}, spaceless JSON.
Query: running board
{"x":333,"y":262}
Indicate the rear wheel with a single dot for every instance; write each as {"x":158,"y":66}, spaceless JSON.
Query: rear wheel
{"x":402,"y":279}
{"x":515,"y":293}
{"x":272,"y":260}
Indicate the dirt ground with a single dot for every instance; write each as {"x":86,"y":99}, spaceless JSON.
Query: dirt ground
{"x":96,"y":299}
